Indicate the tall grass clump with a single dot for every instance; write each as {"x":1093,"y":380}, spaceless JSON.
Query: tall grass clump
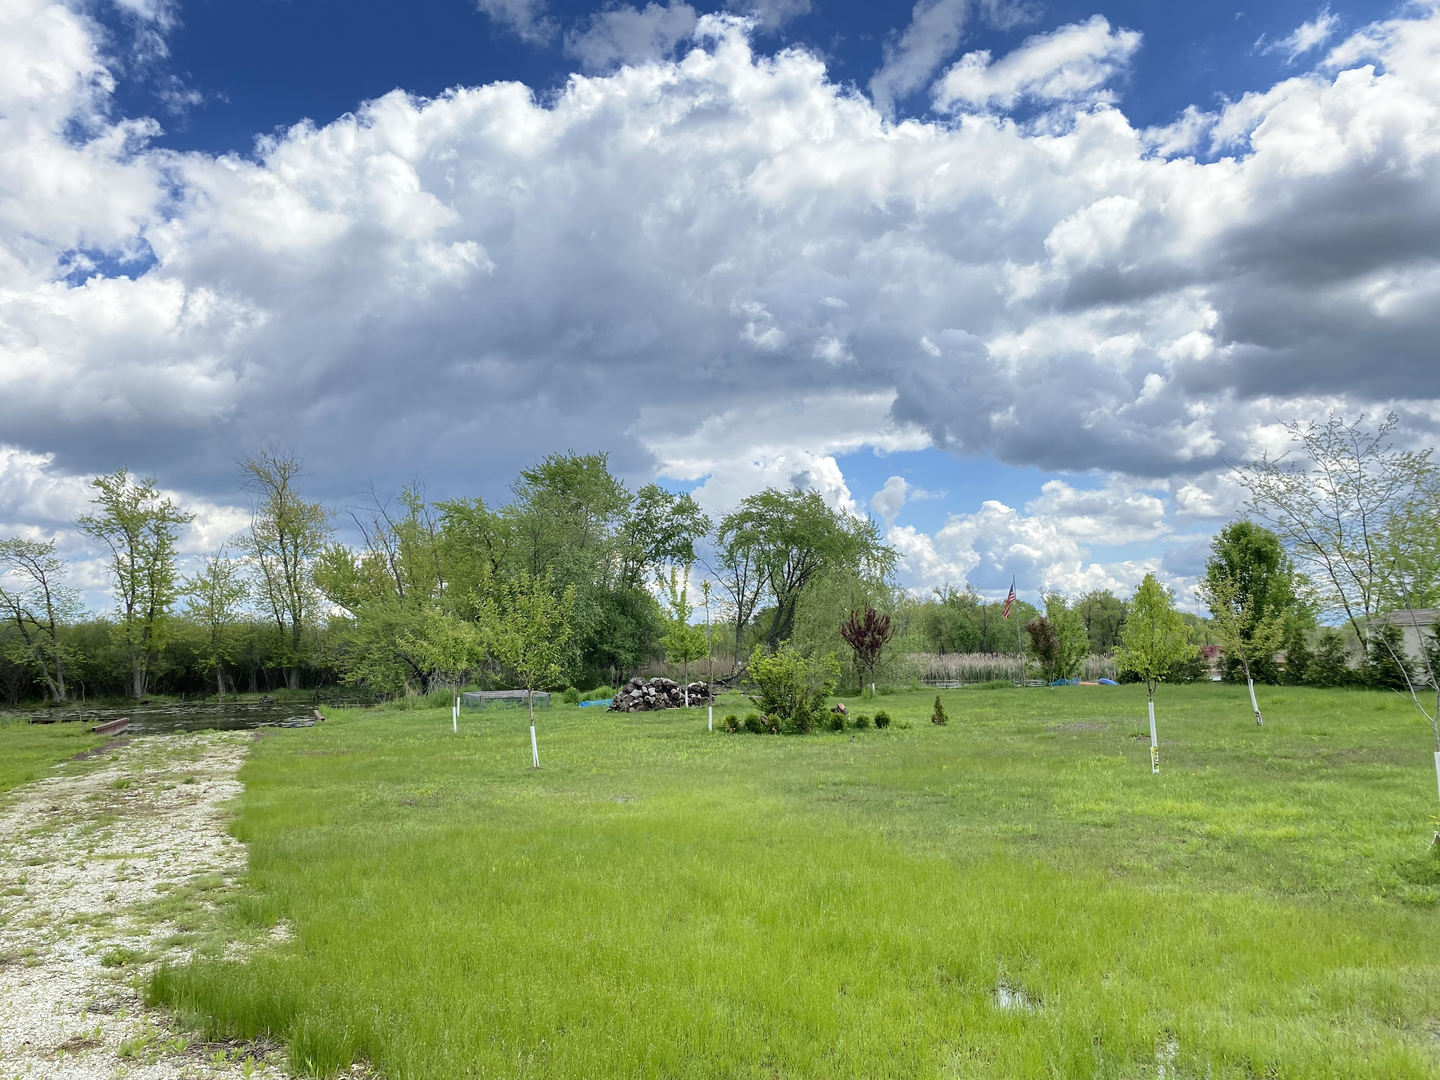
{"x":969,"y":669}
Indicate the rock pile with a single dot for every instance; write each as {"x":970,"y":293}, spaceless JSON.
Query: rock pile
{"x":638,"y":695}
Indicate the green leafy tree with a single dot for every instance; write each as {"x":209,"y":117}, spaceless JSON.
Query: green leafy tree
{"x":1387,"y":667}
{"x":739,"y":571}
{"x":952,"y":620}
{"x":1155,"y":639}
{"x":286,"y":535}
{"x":139,"y":529}
{"x":1244,"y":632}
{"x":390,"y":589}
{"x":449,"y":646}
{"x":1073,"y":640}
{"x":683,"y":642}
{"x":1298,"y":651}
{"x":1103,"y":615}
{"x":1044,"y":646}
{"x":790,"y":538}
{"x":215,"y":600}
{"x":1058,"y":640}
{"x":37,"y":603}
{"x":1331,"y":666}
{"x":660,"y":527}
{"x":1248,"y":562}
{"x":531,"y":626}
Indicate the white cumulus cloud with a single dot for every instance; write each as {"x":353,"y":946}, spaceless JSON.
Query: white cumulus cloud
{"x":1070,"y":64}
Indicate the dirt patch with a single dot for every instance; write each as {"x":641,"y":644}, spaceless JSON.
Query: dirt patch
{"x":100,"y":751}
{"x":1079,"y":725}
{"x":89,"y":861}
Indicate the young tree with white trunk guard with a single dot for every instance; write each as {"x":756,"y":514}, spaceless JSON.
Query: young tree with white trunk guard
{"x":1154,"y":641}
{"x":530,"y":630}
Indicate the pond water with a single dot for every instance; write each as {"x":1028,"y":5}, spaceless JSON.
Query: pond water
{"x":164,"y":719}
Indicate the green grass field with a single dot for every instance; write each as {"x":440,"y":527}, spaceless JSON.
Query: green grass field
{"x":28,"y":751}
{"x":1012,"y":895}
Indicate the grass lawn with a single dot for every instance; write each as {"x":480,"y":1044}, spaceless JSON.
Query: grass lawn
{"x":27,"y":751}
{"x":1012,"y":895}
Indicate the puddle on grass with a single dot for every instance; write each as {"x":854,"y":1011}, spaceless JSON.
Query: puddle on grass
{"x":1013,"y":999}
{"x":1165,"y":1057}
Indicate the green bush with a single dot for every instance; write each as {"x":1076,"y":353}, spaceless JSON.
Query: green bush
{"x":1387,"y":667}
{"x":571,"y":696}
{"x":862,"y":721}
{"x":882,"y":719}
{"x":757,"y":724}
{"x":836,"y":721}
{"x":938,"y":715}
{"x":792,"y":688}
{"x":730,"y":722}
{"x":993,"y":684}
{"x":600,"y":693}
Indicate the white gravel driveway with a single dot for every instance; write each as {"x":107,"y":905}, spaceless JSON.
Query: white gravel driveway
{"x":96,"y":863}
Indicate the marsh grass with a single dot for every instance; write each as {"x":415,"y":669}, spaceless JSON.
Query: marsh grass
{"x":659,"y":901}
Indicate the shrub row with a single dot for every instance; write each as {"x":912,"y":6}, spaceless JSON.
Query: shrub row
{"x":756,"y":724}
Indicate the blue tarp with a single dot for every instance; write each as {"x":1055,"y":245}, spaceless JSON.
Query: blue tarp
{"x":1107,"y":682}
{"x":1066,"y":682}
{"x":600,"y":701}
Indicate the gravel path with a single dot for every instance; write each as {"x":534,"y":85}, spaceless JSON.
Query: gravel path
{"x":104,"y":868}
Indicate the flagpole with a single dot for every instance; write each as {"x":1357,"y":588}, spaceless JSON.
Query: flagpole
{"x":1019,"y":644}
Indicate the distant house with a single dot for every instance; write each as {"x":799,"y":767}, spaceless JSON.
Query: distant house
{"x":1418,"y":626}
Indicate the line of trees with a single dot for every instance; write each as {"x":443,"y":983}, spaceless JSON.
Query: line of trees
{"x":430,"y":590}
{"x":284,"y":603}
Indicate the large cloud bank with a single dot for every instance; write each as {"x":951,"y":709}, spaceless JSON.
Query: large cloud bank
{"x":726,"y":243}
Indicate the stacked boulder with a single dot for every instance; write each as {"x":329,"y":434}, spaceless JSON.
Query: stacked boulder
{"x":641,"y":695}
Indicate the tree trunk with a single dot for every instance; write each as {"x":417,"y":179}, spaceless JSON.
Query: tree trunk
{"x":219,"y":683}
{"x":1154,"y":741}
{"x":292,"y":678}
{"x":534,"y":746}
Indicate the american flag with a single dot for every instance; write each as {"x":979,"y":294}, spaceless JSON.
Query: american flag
{"x":1010,"y":599}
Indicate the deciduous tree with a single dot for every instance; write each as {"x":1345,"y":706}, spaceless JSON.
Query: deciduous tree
{"x":1103,"y":615}
{"x":867,"y":634}
{"x":139,"y":528}
{"x":1246,"y":635}
{"x":682,"y":641}
{"x":35,"y":600}
{"x":1154,"y":641}
{"x":530,"y":629}
{"x":286,"y":535}
{"x":216,"y":597}
{"x":1345,"y":509}
{"x":790,"y":537}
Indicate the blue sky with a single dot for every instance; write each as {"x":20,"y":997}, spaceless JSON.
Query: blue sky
{"x":1021,"y":280}
{"x":260,"y":67}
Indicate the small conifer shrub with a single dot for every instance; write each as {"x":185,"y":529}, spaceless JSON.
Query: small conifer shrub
{"x":938,"y":716}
